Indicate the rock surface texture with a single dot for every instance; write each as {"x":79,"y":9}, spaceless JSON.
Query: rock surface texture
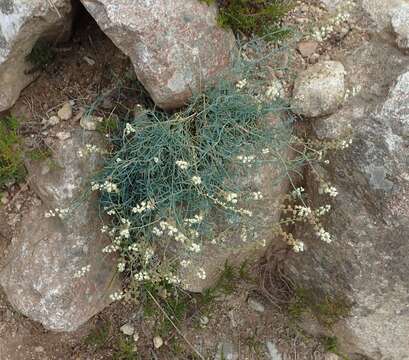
{"x":366,"y":264}
{"x":22,"y":23}
{"x":40,"y":276}
{"x":176,"y":46}
{"x":319,"y":90}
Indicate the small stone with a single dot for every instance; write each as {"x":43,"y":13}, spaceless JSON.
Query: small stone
{"x":273,"y":351}
{"x":307,"y":48}
{"x":226,"y":351}
{"x":4,"y":198}
{"x":65,"y":113}
{"x":127,"y":329}
{"x":63,"y":135}
{"x":157,"y":342}
{"x":38,"y":349}
{"x":89,"y":61}
{"x":53,"y":120}
{"x":255,"y":305}
{"x":135,"y":337}
{"x":319,"y":90}
{"x":204,"y":320}
{"x":90,"y":122}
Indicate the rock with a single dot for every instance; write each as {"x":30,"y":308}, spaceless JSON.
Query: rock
{"x":89,"y":61}
{"x":226,"y":351}
{"x":157,"y":342}
{"x":176,"y":46}
{"x":22,"y":23}
{"x":53,"y":120}
{"x":255,"y":305}
{"x":365,"y":267}
{"x":90,"y":122}
{"x":273,"y":352}
{"x":65,"y":113}
{"x":307,"y":48}
{"x":319,"y":90}
{"x":336,"y":126}
{"x":379,"y":12}
{"x":127,"y":329}
{"x":63,"y":135}
{"x":400,"y":24}
{"x":41,"y":277}
{"x":241,"y":243}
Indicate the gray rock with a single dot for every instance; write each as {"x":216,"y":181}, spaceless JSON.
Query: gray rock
{"x":22,"y":23}
{"x":273,"y":352}
{"x":40,"y":278}
{"x":366,"y":265}
{"x":127,"y":329}
{"x":379,"y":12}
{"x":226,"y":351}
{"x":400,"y":24}
{"x":65,"y":113}
{"x":319,"y":90}
{"x":255,"y":305}
{"x":176,"y":46}
{"x":90,"y":122}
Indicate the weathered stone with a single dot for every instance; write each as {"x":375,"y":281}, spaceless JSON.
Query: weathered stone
{"x":227,"y":351}
{"x":379,"y":12}
{"x":366,"y":265}
{"x":307,"y":48}
{"x":45,"y":257}
{"x":22,"y":23}
{"x":65,"y":113}
{"x":319,"y":90}
{"x":176,"y":46}
{"x":127,"y":329}
{"x":400,"y":24}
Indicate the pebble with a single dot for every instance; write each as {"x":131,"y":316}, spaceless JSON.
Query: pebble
{"x":307,"y":48}
{"x":38,"y":349}
{"x":204,"y":320}
{"x":255,"y":305}
{"x":273,"y":351}
{"x":89,"y":61}
{"x":127,"y":329}
{"x":53,"y":120}
{"x":63,"y":135}
{"x":157,"y":342}
{"x":65,"y":113}
{"x":90,"y":122}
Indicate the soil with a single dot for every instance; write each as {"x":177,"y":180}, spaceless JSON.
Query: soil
{"x":74,"y":77}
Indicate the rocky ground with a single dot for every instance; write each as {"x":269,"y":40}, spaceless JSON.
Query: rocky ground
{"x":248,"y":321}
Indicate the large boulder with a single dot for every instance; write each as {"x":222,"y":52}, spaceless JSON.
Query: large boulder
{"x":176,"y":46}
{"x":22,"y":24}
{"x":41,"y":278}
{"x":366,"y":266}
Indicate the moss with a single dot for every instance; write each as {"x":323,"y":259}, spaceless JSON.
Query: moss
{"x":258,"y":17}
{"x":41,"y":55}
{"x":326,"y":309}
{"x":11,"y":159}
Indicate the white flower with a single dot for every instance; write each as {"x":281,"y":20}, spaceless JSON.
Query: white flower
{"x":182,"y":164}
{"x":116,"y":296}
{"x":157,"y":231}
{"x":110,"y":249}
{"x":82,"y":271}
{"x":231,"y":197}
{"x":322,"y":210}
{"x":241,"y":84}
{"x":195,"y":248}
{"x":257,"y":195}
{"x":144,"y":206}
{"x":185,"y":263}
{"x":129,"y":129}
{"x":201,"y":273}
{"x":141,"y":276}
{"x":297,"y":192}
{"x":156,"y":159}
{"x":265,"y":151}
{"x":298,"y":246}
{"x":324,"y":235}
{"x":197,"y":219}
{"x":303,"y":211}
{"x":121,"y":267}
{"x":330,"y":190}
{"x":196,"y":180}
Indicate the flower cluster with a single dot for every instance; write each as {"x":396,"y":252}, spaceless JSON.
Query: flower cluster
{"x":84,"y":270}
{"x":182,"y":164}
{"x":61,"y":213}
{"x":144,"y":206}
{"x":107,"y":186}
